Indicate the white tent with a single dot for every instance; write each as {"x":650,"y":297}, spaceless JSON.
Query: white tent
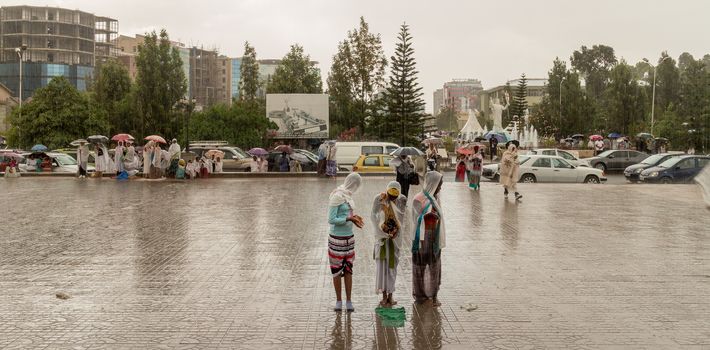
{"x":472,"y":129}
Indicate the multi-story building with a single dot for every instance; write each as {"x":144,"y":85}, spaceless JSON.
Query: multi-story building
{"x":438,"y":101}
{"x":7,"y":103}
{"x":58,"y":41}
{"x":224,"y":80}
{"x":536,"y":91}
{"x":236,"y":77}
{"x":462,"y":94}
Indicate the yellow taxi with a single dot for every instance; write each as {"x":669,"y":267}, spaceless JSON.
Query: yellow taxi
{"x":373,"y":163}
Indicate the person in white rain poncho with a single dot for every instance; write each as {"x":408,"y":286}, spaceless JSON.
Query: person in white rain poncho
{"x":429,"y":239}
{"x":103,"y":160}
{"x":174,"y":158}
{"x":388,"y":221}
{"x":147,"y":157}
{"x":118,"y":157}
{"x":156,"y":161}
{"x":82,"y":155}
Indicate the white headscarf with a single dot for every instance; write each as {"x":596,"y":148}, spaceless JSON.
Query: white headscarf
{"x":343,"y":193}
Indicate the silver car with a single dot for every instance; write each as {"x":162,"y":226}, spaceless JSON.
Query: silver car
{"x":536,"y":168}
{"x":559,"y":153}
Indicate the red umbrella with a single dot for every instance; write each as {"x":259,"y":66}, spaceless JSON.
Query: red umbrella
{"x":156,"y":138}
{"x":465,"y":151}
{"x":596,"y":137}
{"x":123,"y":137}
{"x":284,"y":148}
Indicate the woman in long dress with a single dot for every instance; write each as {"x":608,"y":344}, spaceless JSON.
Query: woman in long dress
{"x":510,"y":171}
{"x":102,"y":160}
{"x":331,"y":165}
{"x":461,"y":169}
{"x":118,"y":157}
{"x":475,"y":162}
{"x":429,"y":239}
{"x":388,"y":220}
{"x":156,"y":161}
{"x":341,"y":241}
{"x":147,"y":156}
{"x":404,"y":167}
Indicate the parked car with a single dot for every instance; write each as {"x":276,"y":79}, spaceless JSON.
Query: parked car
{"x":681,"y":169}
{"x":616,"y":160}
{"x":492,"y":171}
{"x":61,"y":163}
{"x":536,"y":168}
{"x":373,"y":163}
{"x":235,"y":159}
{"x":349,"y":152}
{"x":632,"y":172}
{"x":307,"y":163}
{"x":560,"y":153}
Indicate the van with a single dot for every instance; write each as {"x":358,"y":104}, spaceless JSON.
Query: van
{"x":349,"y":152}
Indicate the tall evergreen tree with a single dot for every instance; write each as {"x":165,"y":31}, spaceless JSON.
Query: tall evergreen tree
{"x":404,"y":119}
{"x":520,"y":102}
{"x":249,"y":83}
{"x":296,"y":74}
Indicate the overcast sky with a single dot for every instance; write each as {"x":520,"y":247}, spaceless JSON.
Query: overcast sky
{"x":493,"y":41}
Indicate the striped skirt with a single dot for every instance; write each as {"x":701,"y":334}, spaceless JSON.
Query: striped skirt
{"x":341,"y":254}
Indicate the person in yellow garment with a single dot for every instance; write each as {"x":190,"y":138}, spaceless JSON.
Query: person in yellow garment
{"x":388,"y":221}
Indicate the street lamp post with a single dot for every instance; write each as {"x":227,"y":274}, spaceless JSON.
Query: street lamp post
{"x":653,"y":94}
{"x":20,"y":54}
{"x":560,"y":116}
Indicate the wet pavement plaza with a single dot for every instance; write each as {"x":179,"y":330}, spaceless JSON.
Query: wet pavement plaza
{"x":241,"y":263}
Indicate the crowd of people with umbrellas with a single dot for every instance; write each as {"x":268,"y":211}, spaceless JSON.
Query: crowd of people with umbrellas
{"x":643,"y":142}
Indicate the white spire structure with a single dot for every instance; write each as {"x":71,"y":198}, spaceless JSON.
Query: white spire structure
{"x":472,"y":128}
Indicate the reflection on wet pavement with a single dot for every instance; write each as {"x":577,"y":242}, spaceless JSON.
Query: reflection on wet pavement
{"x":242,"y":264}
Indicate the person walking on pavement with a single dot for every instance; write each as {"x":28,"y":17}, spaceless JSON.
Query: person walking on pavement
{"x":331,"y":163}
{"x":405,"y":171}
{"x":429,"y":239}
{"x":510,"y":171}
{"x":475,"y":162}
{"x":341,"y":241}
{"x":388,"y":218}
{"x":494,"y":148}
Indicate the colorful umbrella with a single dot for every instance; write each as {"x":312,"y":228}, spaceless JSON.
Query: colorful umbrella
{"x":465,"y":151}
{"x":596,"y":137}
{"x":155,"y":138}
{"x":433,"y":141}
{"x":39,"y":148}
{"x":97,"y":139}
{"x":256,"y":151}
{"x":284,"y":148}
{"x":407,"y":151}
{"x":8,"y":155}
{"x":214,"y":152}
{"x":122,"y":137}
{"x":615,"y":135}
{"x":500,"y":137}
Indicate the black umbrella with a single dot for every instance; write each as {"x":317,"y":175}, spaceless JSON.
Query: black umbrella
{"x":97,"y":139}
{"x":407,"y":151}
{"x":515,"y":142}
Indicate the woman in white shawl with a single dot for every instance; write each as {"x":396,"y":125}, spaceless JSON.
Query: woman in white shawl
{"x":331,"y":164}
{"x":341,"y":242}
{"x":147,"y":154}
{"x":429,"y":239}
{"x":388,"y":221}
{"x":118,"y":157}
{"x":156,"y":161}
{"x":510,"y":171}
{"x":102,"y":160}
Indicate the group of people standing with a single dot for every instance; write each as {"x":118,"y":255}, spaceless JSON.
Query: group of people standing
{"x":388,"y":220}
{"x":469,"y":168}
{"x":327,"y":165}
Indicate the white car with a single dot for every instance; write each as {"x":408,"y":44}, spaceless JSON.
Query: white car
{"x":349,"y":152}
{"x":536,"y":168}
{"x":569,"y":157}
{"x":61,"y":163}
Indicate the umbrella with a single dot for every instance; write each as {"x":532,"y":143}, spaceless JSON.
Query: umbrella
{"x":214,"y":152}
{"x":11,"y":155}
{"x":496,"y":135}
{"x":464,"y":150}
{"x":77,"y":143}
{"x":615,"y":135}
{"x":569,"y":139}
{"x":577,"y":136}
{"x":256,"y":151}
{"x":39,"y":148}
{"x":596,"y":137}
{"x":644,"y":135}
{"x":284,"y":148}
{"x":97,"y":139}
{"x":155,"y":138}
{"x":122,"y":137}
{"x":661,"y":139}
{"x":515,"y":142}
{"x":299,"y":157}
{"x":433,"y":140}
{"x":38,"y":154}
{"x":407,"y":151}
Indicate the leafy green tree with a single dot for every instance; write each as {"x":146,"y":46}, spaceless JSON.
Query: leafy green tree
{"x":296,"y":74}
{"x":404,"y":120}
{"x":57,"y":115}
{"x":694,"y":107}
{"x":111,"y":88}
{"x":520,"y":102}
{"x":249,"y":83}
{"x":594,"y":65}
{"x":243,"y":124}
{"x":625,"y":102}
{"x":357,"y":72}
{"x":667,"y":82}
{"x":446,"y":119}
{"x":160,"y":84}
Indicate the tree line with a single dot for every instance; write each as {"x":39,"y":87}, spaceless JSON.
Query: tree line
{"x":362,"y":104}
{"x":600,"y":93}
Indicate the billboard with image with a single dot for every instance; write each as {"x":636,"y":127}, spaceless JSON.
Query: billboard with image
{"x":299,"y":116}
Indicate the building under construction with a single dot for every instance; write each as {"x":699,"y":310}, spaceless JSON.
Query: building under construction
{"x":52,"y":42}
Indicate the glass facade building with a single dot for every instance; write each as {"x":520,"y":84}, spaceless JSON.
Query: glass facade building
{"x":236,"y":76}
